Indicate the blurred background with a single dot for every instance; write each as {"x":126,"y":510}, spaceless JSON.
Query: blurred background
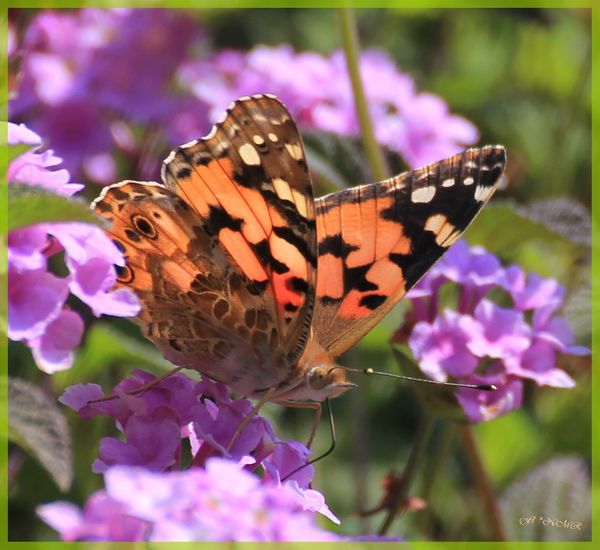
{"x":520,"y":76}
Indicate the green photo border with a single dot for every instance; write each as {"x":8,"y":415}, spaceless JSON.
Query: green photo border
{"x":593,"y":5}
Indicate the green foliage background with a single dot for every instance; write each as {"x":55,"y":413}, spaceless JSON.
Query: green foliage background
{"x":523,"y":77}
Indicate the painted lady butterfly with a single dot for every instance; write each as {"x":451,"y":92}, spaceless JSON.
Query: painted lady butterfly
{"x":244,"y":276}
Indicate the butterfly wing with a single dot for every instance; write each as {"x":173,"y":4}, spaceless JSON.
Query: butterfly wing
{"x":196,"y":307}
{"x":223,"y":256}
{"x":249,"y":183}
{"x":376,"y":241}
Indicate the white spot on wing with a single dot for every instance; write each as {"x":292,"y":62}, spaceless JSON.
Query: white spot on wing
{"x":468,"y":181}
{"x":294,"y":150}
{"x":443,"y":230}
{"x":448,"y":182}
{"x":282,"y":188}
{"x":300,"y":201}
{"x":249,"y":154}
{"x":423,"y":194}
{"x":452,"y":239}
{"x":435,"y":223}
{"x":483,"y":193}
{"x":258,"y":139}
{"x":273,"y":137}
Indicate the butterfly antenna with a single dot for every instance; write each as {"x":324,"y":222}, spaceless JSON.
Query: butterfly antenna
{"x":327,"y":452}
{"x":370,"y":371}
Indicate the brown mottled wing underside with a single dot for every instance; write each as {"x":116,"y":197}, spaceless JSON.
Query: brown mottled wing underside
{"x":249,"y":183}
{"x":196,"y":308}
{"x":223,"y":256}
{"x":376,"y":241}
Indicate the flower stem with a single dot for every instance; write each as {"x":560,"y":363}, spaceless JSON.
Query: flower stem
{"x":351,"y":50}
{"x":423,"y":432}
{"x":439,"y":460}
{"x":483,"y":482}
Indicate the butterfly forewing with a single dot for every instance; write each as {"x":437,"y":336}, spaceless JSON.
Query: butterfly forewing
{"x":248,"y":182}
{"x":376,"y":241}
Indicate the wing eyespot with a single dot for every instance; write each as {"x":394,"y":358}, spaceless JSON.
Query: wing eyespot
{"x":124,"y":274}
{"x":132,"y":235}
{"x":120,"y":246}
{"x":144,"y":226}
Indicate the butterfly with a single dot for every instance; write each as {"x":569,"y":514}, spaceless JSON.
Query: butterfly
{"x":244,"y":276}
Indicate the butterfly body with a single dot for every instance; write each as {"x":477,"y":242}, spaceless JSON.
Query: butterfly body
{"x":245,"y":277}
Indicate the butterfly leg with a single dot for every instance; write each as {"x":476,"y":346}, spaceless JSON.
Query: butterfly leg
{"x":141,"y":389}
{"x":307,"y":405}
{"x":317,"y":418}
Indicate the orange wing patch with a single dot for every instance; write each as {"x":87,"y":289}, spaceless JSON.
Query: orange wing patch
{"x":376,"y":241}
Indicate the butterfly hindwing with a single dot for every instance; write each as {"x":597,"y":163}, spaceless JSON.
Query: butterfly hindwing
{"x":197,"y":309}
{"x":249,"y":183}
{"x":376,"y":241}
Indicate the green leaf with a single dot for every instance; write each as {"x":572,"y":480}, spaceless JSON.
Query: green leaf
{"x":561,"y":215}
{"x":37,"y":425}
{"x":550,"y":503}
{"x":499,"y":438}
{"x":30,"y":205}
{"x":516,"y":225}
{"x":11,"y":153}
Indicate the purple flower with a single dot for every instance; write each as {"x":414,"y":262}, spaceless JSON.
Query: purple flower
{"x":102,"y":519}
{"x":154,"y":444}
{"x":480,"y":406}
{"x":155,"y":423}
{"x":78,"y":129}
{"x":504,"y":345}
{"x":147,"y":43}
{"x":32,"y":167}
{"x":442,"y":347}
{"x":71,"y":57}
{"x":317,"y":91}
{"x":178,"y":408}
{"x":53,"y":350}
{"x":36,"y":297}
{"x":288,"y":457}
{"x":221,"y":502}
{"x":495,"y":331}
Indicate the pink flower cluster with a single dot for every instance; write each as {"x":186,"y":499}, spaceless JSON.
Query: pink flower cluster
{"x":73,"y":56}
{"x":483,"y":342}
{"x":317,"y":91}
{"x":222,"y":502}
{"x":151,"y":494}
{"x":37,"y":311}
